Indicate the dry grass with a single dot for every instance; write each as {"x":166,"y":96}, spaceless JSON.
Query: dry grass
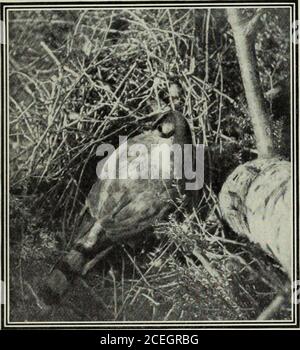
{"x":78,"y":79}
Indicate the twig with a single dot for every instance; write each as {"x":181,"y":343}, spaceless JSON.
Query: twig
{"x":96,"y":297}
{"x":95,"y":260}
{"x":40,"y":304}
{"x":213,"y":272}
{"x":274,"y":307}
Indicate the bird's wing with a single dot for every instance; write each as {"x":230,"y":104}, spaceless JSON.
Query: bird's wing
{"x":106,"y":194}
{"x":128,"y":206}
{"x":125,"y":208}
{"x":138,"y":209}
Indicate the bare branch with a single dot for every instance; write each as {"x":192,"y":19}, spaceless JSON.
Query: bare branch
{"x":249,"y":71}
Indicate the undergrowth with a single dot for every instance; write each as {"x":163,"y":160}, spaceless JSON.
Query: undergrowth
{"x":81,"y":78}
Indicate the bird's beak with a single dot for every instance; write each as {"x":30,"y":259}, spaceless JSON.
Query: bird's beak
{"x":148,"y":127}
{"x":158,"y":120}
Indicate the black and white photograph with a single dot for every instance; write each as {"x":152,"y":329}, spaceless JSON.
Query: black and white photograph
{"x":149,"y":165}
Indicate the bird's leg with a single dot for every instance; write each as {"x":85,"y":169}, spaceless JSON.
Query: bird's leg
{"x":89,"y":240}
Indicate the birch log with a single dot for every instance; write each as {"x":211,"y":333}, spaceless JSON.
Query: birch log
{"x":256,"y":202}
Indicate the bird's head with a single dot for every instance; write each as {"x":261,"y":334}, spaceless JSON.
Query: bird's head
{"x":173,"y":124}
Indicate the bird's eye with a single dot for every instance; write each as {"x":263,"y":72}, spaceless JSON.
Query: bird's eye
{"x":166,"y":129}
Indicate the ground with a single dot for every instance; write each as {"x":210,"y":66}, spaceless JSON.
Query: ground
{"x":158,"y":281}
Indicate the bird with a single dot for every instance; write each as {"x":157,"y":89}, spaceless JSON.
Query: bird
{"x":120,"y":210}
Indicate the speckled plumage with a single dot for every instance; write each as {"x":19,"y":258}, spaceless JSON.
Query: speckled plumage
{"x":118,"y":210}
{"x":123,"y":208}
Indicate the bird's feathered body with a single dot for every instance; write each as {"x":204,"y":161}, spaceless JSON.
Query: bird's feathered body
{"x":124,"y":207}
{"x":119,"y":209}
